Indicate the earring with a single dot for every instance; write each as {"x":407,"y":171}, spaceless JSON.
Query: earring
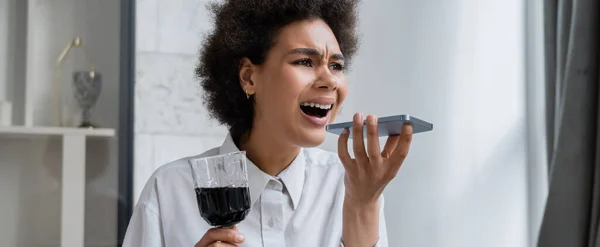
{"x":247,"y":95}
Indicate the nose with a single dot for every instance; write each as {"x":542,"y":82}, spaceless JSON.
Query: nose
{"x":326,"y":80}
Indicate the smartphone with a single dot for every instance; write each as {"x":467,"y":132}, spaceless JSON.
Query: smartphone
{"x":386,"y":126}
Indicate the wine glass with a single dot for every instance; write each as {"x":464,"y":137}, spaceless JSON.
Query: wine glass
{"x":221,"y":185}
{"x":87,"y":88}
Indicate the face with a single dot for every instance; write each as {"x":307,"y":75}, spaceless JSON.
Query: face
{"x":301,"y":85}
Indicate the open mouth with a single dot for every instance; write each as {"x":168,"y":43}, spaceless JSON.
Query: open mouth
{"x":315,"y":110}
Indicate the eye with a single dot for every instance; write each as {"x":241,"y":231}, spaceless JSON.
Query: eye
{"x":336,"y":66}
{"x":304,"y":62}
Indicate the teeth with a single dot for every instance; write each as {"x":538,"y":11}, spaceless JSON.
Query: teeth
{"x":324,"y":107}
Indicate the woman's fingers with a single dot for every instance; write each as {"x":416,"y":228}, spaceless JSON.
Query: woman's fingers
{"x":373,"y":140}
{"x":343,"y":150}
{"x":358,"y":139}
{"x":221,"y":244}
{"x":390,"y":146}
{"x":401,"y":150}
{"x":223,"y":235}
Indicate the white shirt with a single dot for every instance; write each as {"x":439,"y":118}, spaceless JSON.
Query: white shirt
{"x":301,"y":207}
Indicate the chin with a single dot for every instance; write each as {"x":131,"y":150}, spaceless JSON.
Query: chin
{"x":312,"y":138}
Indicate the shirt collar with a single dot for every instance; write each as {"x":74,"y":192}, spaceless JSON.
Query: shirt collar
{"x":292,"y":177}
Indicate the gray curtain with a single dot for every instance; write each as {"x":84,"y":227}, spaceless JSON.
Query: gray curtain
{"x":572,"y":33}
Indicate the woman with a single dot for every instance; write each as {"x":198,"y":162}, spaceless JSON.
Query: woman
{"x":273,"y":72}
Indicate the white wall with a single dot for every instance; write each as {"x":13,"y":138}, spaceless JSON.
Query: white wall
{"x":458,"y":64}
{"x":30,"y":167}
{"x":5,"y":6}
{"x":13,"y":14}
{"x":170,"y":121}
{"x":10,"y":41}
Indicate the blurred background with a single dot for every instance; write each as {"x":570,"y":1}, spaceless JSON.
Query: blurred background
{"x":473,"y":68}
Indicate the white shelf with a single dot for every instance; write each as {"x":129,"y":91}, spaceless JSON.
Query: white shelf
{"x":38,"y":31}
{"x":72,"y":221}
{"x":55,"y":131}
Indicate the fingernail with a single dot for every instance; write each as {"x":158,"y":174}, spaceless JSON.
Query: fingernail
{"x":345,"y":132}
{"x":373,"y":120}
{"x":359,"y":117}
{"x":239,"y":237}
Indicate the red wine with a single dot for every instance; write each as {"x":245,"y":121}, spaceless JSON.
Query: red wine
{"x":223,"y":206}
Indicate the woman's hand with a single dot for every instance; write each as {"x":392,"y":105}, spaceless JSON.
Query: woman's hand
{"x":366,"y":177}
{"x":372,"y":169}
{"x":221,"y":237}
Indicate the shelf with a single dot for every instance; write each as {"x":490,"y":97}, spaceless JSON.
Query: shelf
{"x":42,"y":93}
{"x":73,"y":173}
{"x":54,"y":131}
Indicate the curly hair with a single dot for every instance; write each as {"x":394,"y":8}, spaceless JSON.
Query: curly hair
{"x":247,"y":28}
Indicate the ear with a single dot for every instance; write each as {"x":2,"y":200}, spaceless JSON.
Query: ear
{"x":247,"y":73}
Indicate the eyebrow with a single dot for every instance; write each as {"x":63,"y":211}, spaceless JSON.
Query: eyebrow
{"x":315,"y":52}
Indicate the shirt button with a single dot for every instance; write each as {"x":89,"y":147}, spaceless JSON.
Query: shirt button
{"x":271,"y":223}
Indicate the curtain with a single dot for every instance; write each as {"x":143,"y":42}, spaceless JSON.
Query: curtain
{"x":572,"y":210}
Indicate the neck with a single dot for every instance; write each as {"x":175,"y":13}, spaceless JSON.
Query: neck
{"x":267,"y":152}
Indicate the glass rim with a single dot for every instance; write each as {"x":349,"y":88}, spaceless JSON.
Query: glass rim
{"x":220,"y":155}
{"x":197,"y":163}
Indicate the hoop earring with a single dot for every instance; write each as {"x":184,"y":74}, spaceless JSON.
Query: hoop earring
{"x":247,"y":95}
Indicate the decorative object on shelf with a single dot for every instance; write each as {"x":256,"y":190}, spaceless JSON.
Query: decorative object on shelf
{"x":86,"y":90}
{"x":5,"y":113}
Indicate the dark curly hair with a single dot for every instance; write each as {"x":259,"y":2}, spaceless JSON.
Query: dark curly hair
{"x":247,"y":28}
